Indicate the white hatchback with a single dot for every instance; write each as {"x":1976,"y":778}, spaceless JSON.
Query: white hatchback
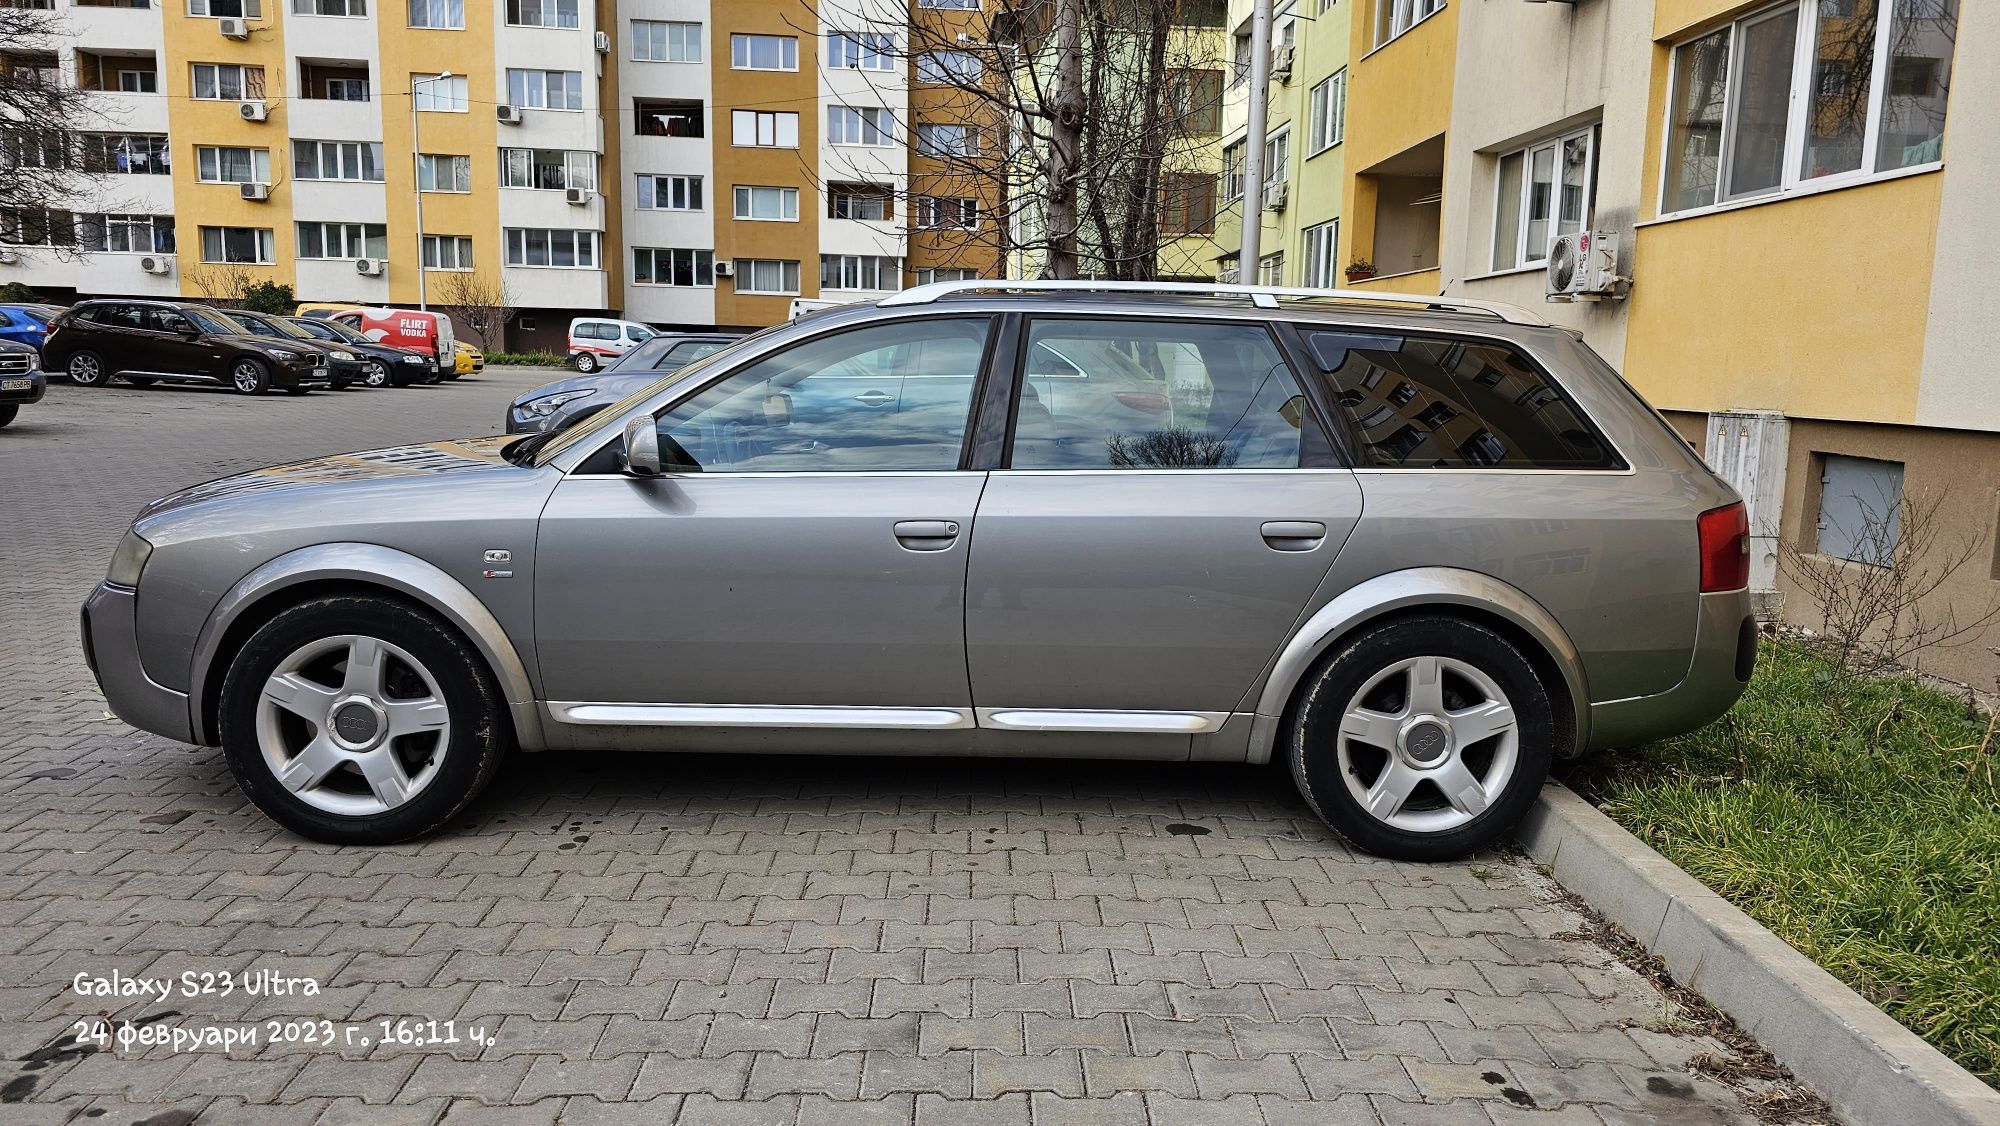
{"x":596,"y":341}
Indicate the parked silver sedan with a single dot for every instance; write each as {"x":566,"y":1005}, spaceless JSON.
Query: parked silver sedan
{"x":1415,"y":549}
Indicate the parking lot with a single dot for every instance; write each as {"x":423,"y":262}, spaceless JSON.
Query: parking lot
{"x":657,"y":939}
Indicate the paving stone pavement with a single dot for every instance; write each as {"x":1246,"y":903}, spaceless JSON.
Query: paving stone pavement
{"x":654,"y":939}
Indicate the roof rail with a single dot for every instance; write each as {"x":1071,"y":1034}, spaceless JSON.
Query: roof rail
{"x":1263,"y":296}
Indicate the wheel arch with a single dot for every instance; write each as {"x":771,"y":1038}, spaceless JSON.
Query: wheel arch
{"x":352,"y":568}
{"x":1483,"y":599}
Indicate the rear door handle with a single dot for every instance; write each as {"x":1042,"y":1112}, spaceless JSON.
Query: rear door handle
{"x":874,"y":398}
{"x":1293,"y":535}
{"x":926,"y":535}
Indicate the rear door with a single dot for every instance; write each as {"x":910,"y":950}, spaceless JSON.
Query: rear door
{"x":165,"y":345}
{"x":1162,"y":520}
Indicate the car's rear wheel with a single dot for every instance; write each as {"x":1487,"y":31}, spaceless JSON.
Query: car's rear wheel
{"x":355,"y":720}
{"x":249,"y":376}
{"x":86,"y":369}
{"x":584,"y":362}
{"x":1424,"y":738}
{"x":376,"y":374}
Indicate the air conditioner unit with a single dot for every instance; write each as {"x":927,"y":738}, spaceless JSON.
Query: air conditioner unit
{"x":1584,"y":267}
{"x":255,"y":193}
{"x":507,"y":115}
{"x":253,"y":111}
{"x":370,"y":267}
{"x":233,"y":29}
{"x":724,"y":268}
{"x":157,"y":263}
{"x":1281,"y":63}
{"x":8,"y":258}
{"x":1277,"y":196}
{"x":603,"y":41}
{"x":577,"y":196}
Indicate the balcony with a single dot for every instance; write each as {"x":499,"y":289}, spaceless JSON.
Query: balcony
{"x":334,"y":101}
{"x":335,"y":80}
{"x":669,"y":117}
{"x":1406,"y":195}
{"x":118,"y":71}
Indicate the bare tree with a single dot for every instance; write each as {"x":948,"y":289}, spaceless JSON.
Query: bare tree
{"x":221,"y":283}
{"x":45,"y":160}
{"x":481,"y":302}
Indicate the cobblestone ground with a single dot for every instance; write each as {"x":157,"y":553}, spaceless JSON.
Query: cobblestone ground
{"x":710,"y":940}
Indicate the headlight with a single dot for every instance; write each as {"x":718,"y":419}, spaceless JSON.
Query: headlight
{"x":547,"y":404}
{"x":282,"y":354}
{"x":129,"y":560}
{"x":413,"y":359}
{"x":340,"y":355}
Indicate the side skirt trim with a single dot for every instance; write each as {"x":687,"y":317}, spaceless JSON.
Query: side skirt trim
{"x":1077,"y":719}
{"x":758,"y":715}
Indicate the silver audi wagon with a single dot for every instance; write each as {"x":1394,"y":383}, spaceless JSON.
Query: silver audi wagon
{"x":1414,"y":548}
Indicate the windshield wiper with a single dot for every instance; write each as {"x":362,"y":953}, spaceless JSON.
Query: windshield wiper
{"x":519,"y":453}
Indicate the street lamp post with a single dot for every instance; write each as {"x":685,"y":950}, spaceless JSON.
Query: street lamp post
{"x":417,"y":144}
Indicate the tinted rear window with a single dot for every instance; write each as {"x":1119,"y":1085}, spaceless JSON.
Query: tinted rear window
{"x":1422,"y":402}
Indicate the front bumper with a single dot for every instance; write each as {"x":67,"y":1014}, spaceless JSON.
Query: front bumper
{"x":300,"y":375}
{"x":38,"y":385}
{"x":1725,"y":654}
{"x":111,"y":649}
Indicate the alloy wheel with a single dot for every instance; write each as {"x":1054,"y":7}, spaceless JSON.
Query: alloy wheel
{"x":352,"y":725}
{"x":85,"y":370}
{"x":378,"y":374}
{"x":245,"y":376}
{"x":1428,"y":743}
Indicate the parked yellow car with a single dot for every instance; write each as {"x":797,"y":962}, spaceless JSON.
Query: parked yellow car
{"x":470,"y":359}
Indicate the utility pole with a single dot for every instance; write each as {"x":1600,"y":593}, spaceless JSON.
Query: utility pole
{"x":1253,"y":142}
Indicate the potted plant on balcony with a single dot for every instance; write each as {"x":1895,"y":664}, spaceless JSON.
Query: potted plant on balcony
{"x":1361,"y":269}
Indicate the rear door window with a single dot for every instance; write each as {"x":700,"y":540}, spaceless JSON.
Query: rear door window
{"x":1424,"y":402}
{"x":119,"y":316}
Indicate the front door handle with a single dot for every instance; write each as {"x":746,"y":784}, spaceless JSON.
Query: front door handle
{"x":874,"y":398}
{"x":926,"y":535}
{"x":1293,"y":535}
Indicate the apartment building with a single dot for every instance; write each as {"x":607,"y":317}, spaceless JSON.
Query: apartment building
{"x":1799,"y":201}
{"x":678,"y":162}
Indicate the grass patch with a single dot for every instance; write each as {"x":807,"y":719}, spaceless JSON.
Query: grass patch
{"x":1866,"y":834}
{"x":526,"y":359}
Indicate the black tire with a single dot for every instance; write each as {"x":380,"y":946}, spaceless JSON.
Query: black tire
{"x":1314,"y":737}
{"x":86,"y":369}
{"x":249,"y":375}
{"x":8,"y":411}
{"x":584,"y":362}
{"x":480,"y":734}
{"x":378,"y":375}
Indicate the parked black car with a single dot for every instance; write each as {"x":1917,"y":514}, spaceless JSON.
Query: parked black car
{"x":177,"y":341}
{"x":382,"y":365}
{"x":21,"y":380}
{"x":344,"y":367}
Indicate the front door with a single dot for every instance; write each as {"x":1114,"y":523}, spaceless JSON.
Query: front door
{"x":168,"y":349}
{"x":801,"y":563}
{"x":1169,"y":506}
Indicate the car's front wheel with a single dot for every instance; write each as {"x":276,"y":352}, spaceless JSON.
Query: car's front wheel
{"x":249,"y":376}
{"x":356,"y":720}
{"x":583,"y":362}
{"x":8,"y":412}
{"x":1423,"y":738}
{"x":376,"y":374}
{"x":86,"y":369}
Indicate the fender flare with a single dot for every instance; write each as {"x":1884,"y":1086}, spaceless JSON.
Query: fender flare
{"x":373,"y":565}
{"x":1414,"y":589}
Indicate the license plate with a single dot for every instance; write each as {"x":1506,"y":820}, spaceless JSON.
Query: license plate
{"x":319,"y":373}
{"x":17,"y":384}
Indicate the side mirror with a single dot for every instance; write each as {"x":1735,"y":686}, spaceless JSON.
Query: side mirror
{"x":642,"y":447}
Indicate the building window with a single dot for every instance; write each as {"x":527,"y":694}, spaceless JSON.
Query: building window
{"x":536,"y":246}
{"x":763,"y":52}
{"x":126,"y":154}
{"x":1187,"y":203}
{"x":767,"y":275}
{"x":653,"y":265}
{"x":447,"y":252}
{"x":36,"y":226}
{"x":232,"y":166}
{"x":1232,"y":170}
{"x":1860,"y":508}
{"x":347,"y":89}
{"x":947,"y":213}
{"x":237,"y":245}
{"x":545,"y":89}
{"x":860,"y":271}
{"x":1197,"y":100}
{"x":669,"y":193}
{"x":1321,"y":244}
{"x":767,"y":204}
{"x":138,"y":82}
{"x":1277,"y":155}
{"x":227,"y":82}
{"x":345,"y":240}
{"x":224,"y":9}
{"x":666,"y":41}
{"x":437,"y":172}
{"x":354,"y":8}
{"x":1394,"y":17}
{"x":437,"y":94}
{"x":847,"y":125}
{"x":859,"y":201}
{"x":1327,"y":114}
{"x":931,"y":274}
{"x":1805,"y":95}
{"x":947,"y":140}
{"x":861,"y":50}
{"x":542,"y":13}
{"x":948,"y":68}
{"x":548,"y":169}
{"x":337,"y":160}
{"x":1271,"y":269}
{"x":763,"y":129}
{"x":127,"y":234}
{"x":1542,"y":192}
{"x":673,"y":117}
{"x":447,"y":15}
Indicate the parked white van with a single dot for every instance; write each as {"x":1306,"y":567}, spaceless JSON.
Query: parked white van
{"x":596,"y":341}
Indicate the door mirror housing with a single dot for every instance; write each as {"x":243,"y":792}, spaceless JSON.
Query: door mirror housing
{"x":642,"y":447}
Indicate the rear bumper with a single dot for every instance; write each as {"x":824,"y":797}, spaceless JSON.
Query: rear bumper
{"x":1725,"y":654}
{"x":111,"y":648}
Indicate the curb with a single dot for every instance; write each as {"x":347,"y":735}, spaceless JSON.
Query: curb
{"x":1872,"y":1070}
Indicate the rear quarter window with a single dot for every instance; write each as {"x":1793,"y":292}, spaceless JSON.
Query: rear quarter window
{"x":1430,"y":402}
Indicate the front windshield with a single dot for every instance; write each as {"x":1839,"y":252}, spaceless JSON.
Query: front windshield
{"x":212,"y":321}
{"x":346,"y":332}
{"x":272,"y":326}
{"x":599,"y":419}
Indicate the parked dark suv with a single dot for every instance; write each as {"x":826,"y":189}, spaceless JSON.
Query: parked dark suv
{"x":345,"y":368}
{"x":147,"y":341}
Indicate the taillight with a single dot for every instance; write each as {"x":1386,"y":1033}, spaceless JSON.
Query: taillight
{"x":1148,"y":401}
{"x":1725,"y":548}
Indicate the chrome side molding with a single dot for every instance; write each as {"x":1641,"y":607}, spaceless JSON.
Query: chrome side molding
{"x":1077,"y":719}
{"x":758,"y":715}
